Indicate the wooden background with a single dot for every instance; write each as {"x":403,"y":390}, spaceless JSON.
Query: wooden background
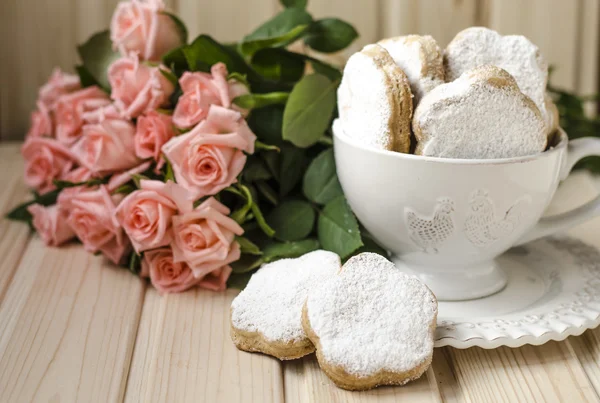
{"x":39,"y":34}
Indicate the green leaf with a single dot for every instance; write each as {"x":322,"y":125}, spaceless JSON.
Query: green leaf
{"x":20,"y":212}
{"x":294,"y":3}
{"x":125,"y":189}
{"x":279,"y":64}
{"x":135,"y":263}
{"x":181,"y":28}
{"x":252,"y":101}
{"x":255,"y":170}
{"x":85,"y":77}
{"x":175,"y":60}
{"x":238,"y":280}
{"x":169,"y":174}
{"x":330,"y":35}
{"x":293,"y":163}
{"x":332,"y":73}
{"x":279,"y":31}
{"x":268,"y":192}
{"x":266,"y":124}
{"x":205,"y":51}
{"x":97,"y":55}
{"x":309,"y":109}
{"x":247,"y":246}
{"x":285,"y":250}
{"x":292,"y":220}
{"x":321,"y":184}
{"x":338,"y":229}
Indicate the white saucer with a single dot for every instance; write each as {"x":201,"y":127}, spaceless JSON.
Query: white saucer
{"x":553,"y":292}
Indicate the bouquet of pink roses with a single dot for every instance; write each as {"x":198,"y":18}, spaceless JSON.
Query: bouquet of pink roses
{"x":190,"y":161}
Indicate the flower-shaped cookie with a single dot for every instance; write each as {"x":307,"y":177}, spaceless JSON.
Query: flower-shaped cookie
{"x":371,"y":324}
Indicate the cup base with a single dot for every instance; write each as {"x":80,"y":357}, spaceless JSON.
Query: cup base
{"x":470,"y":283}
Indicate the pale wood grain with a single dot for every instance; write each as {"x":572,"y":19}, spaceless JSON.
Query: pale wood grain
{"x":305,"y":382}
{"x":225,"y":20}
{"x":185,"y":353}
{"x":440,"y":18}
{"x":586,"y":79}
{"x":532,"y":373}
{"x":68,"y":324}
{"x":550,"y":24}
{"x":13,"y":235}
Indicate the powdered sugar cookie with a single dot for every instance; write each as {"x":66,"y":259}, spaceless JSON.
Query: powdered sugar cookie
{"x":371,"y":324}
{"x":482,"y":114}
{"x":478,"y":46}
{"x":266,"y":316}
{"x":420,"y":58}
{"x":374,"y":100}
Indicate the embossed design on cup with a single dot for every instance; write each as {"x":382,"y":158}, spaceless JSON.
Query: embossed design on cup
{"x":429,"y":232}
{"x":483,"y":227}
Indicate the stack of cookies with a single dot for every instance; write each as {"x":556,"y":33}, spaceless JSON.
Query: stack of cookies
{"x":483,"y":97}
{"x":369,"y":323}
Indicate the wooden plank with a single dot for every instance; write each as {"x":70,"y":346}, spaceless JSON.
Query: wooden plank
{"x":440,"y":18}
{"x":68,"y":324}
{"x":185,"y":353}
{"x":532,"y":373}
{"x":588,"y":58}
{"x":13,"y":235}
{"x":305,"y":382}
{"x":550,"y":24}
{"x":225,"y":20}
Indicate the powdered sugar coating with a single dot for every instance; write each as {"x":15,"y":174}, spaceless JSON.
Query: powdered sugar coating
{"x":372,"y":317}
{"x":483,"y":114}
{"x":420,"y":58}
{"x":478,"y":46}
{"x":271,"y":303}
{"x":374,"y":100}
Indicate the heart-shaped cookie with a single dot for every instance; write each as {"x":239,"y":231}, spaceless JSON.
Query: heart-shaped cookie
{"x":266,"y":316}
{"x":478,"y":46}
{"x":482,"y":114}
{"x":371,"y":324}
{"x":420,"y":58}
{"x":375,"y":101}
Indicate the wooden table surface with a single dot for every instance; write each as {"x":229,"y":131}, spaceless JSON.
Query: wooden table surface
{"x":75,"y":328}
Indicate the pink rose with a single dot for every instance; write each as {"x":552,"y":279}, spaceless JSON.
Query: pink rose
{"x":138,"y":87}
{"x":204,"y":237}
{"x":201,"y":90}
{"x":45,"y":160}
{"x":107,"y":147}
{"x":209,"y":158}
{"x":59,"y":84}
{"x":99,"y":115}
{"x":91,"y":214}
{"x":153,"y":131}
{"x":144,"y":28}
{"x":51,"y":224}
{"x":70,"y":109}
{"x":41,"y":122}
{"x":216,"y":280}
{"x":166,"y":275}
{"x":146,"y":213}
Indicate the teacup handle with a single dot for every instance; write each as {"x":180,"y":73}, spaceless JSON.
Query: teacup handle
{"x":577,"y":149}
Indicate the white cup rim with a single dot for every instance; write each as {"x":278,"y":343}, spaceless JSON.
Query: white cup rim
{"x":340,"y":136}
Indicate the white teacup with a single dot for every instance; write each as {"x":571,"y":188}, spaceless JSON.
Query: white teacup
{"x":446,"y":220}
